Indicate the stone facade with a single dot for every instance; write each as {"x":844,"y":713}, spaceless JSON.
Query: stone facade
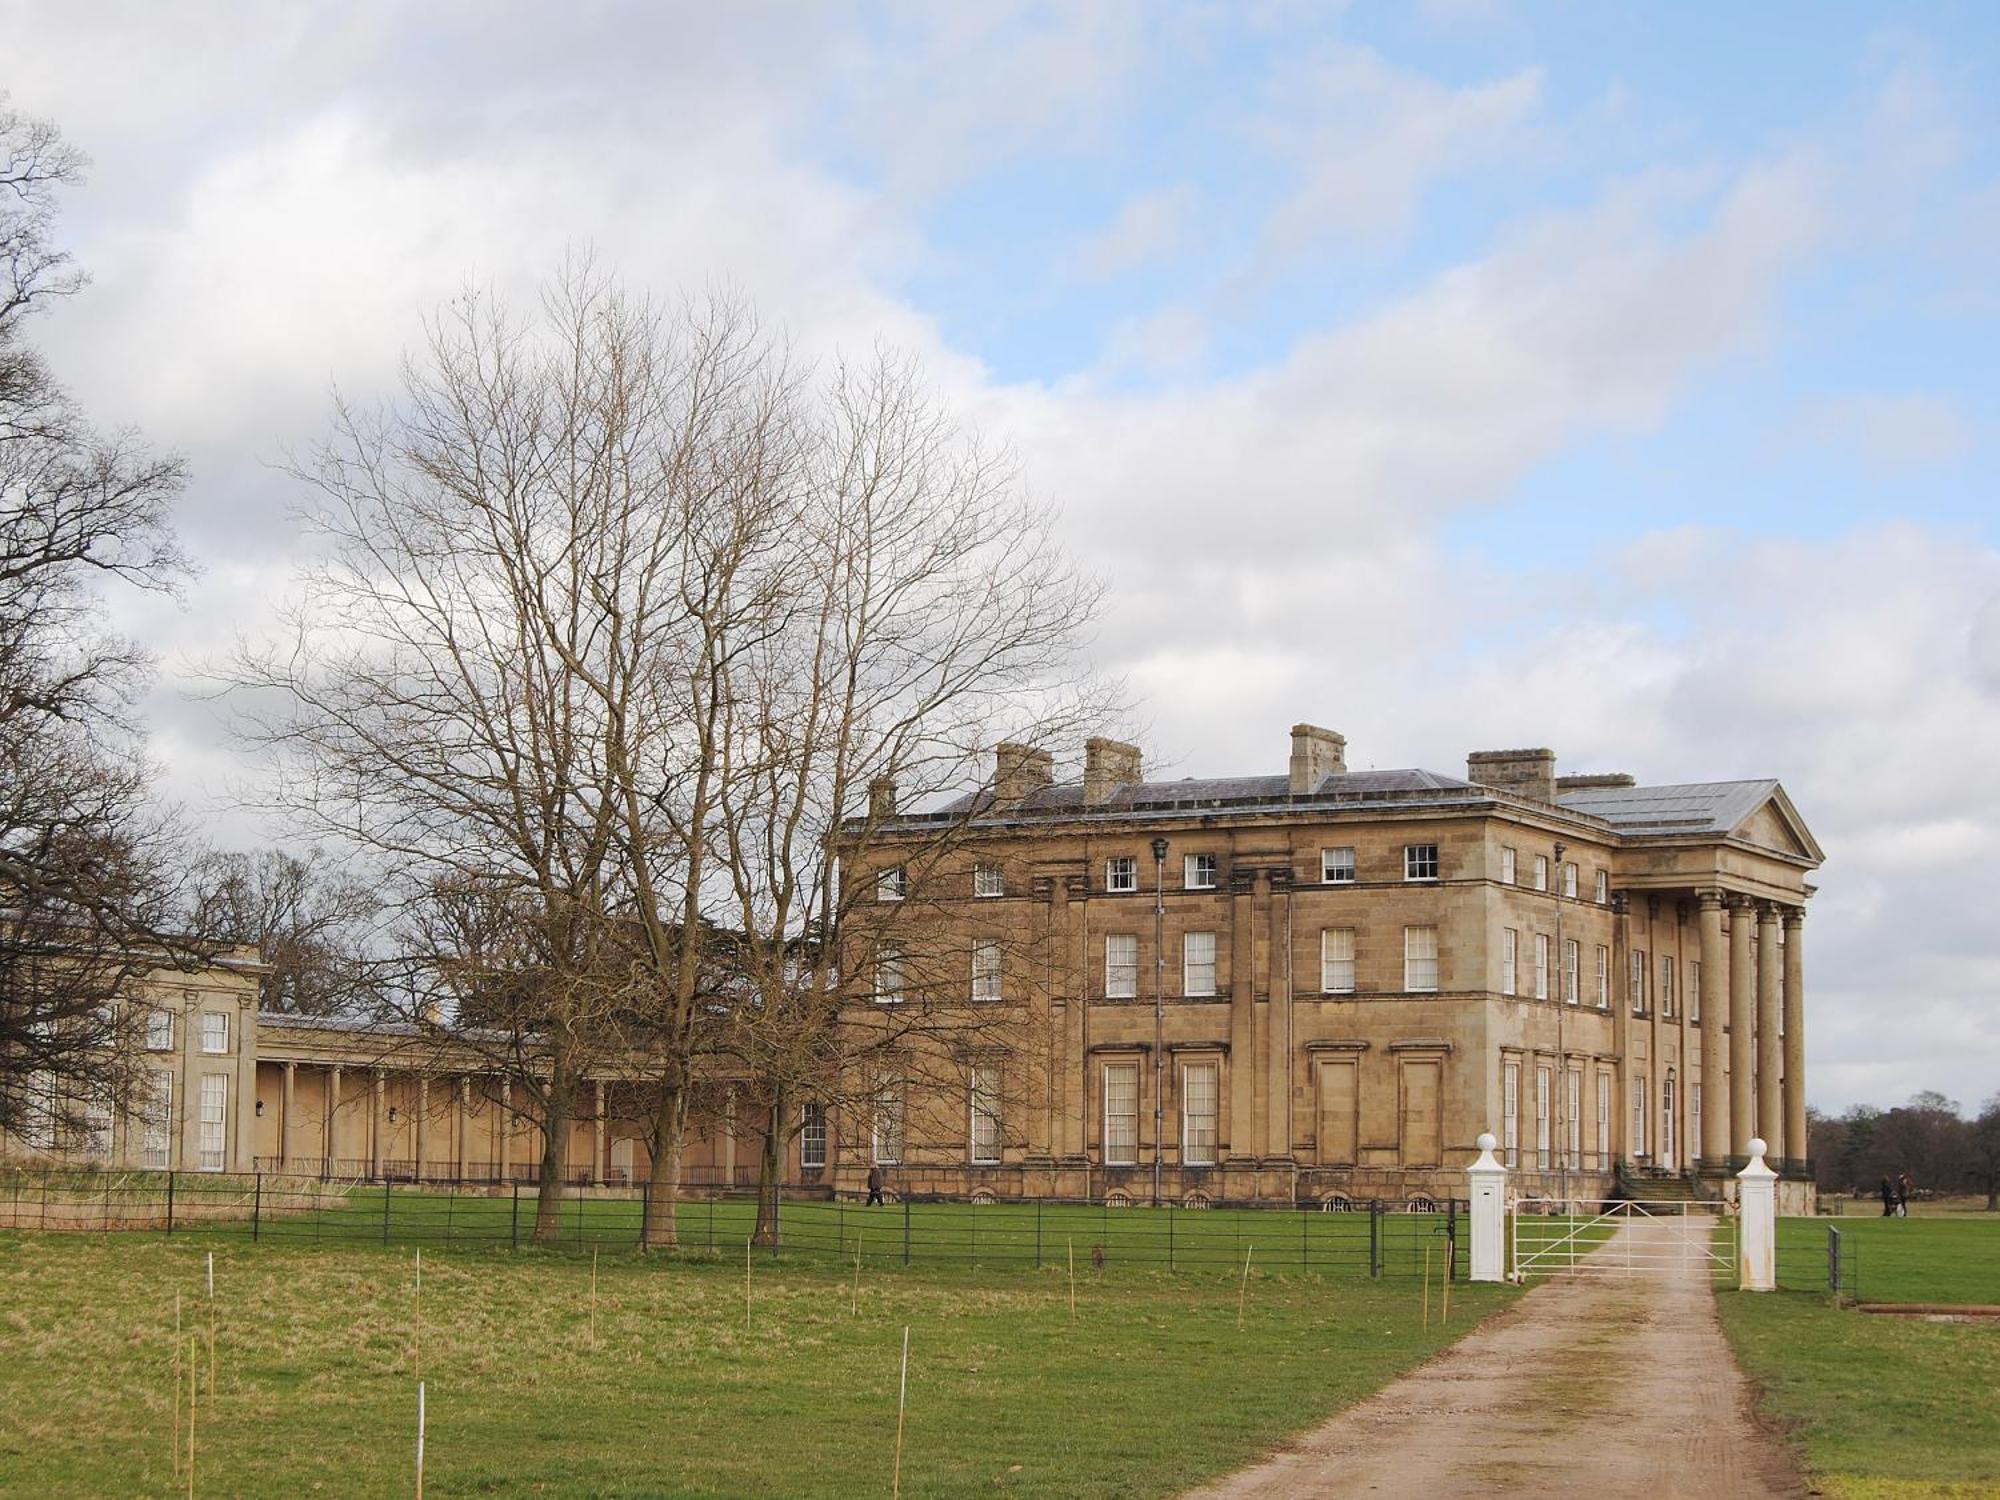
{"x":1328,"y":983}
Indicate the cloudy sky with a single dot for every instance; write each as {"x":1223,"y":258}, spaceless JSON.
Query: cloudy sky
{"x":1462,"y":374}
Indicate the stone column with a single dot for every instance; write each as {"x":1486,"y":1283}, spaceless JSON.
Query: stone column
{"x":244,"y":1091}
{"x":285,"y":1117}
{"x":423,"y":1118}
{"x":1621,"y":1029}
{"x":332,"y":1113}
{"x":1742,"y":1029}
{"x":1770,"y":1050}
{"x":378,"y":1130}
{"x":1486,"y":1183}
{"x":503,"y":1129}
{"x":1278,"y":1052}
{"x":1795,"y":1037}
{"x":1242,"y":1014}
{"x":464,"y":1123}
{"x":1714,"y":1143}
{"x":597,"y":1139}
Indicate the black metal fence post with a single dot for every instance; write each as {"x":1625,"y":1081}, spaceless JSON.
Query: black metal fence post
{"x":257,"y":1210}
{"x":1833,"y":1261}
{"x":514,"y":1220}
{"x":645,"y":1209}
{"x":906,"y":1229}
{"x":1451,"y":1239}
{"x":170,"y":1203}
{"x":1375,"y":1237}
{"x":385,"y":1208}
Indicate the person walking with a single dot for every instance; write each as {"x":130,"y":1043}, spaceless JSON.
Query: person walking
{"x":1902,"y":1195}
{"x":875,"y":1186}
{"x":1888,"y":1197}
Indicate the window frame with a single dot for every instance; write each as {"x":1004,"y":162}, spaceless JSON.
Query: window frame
{"x":1604,"y":976}
{"x":1569,"y":875}
{"x":988,"y":881}
{"x":1131,"y":992}
{"x":812,"y":1117}
{"x":1328,"y":959}
{"x":1510,"y":865}
{"x":1412,"y":959}
{"x":1421,"y":863}
{"x":220,"y":1020}
{"x":1541,"y":872}
{"x":892,"y":883}
{"x":160,"y":1018}
{"x":1602,"y":890}
{"x":889,"y":961}
{"x":888,"y":1106}
{"x":1635,"y":981}
{"x":992,"y":1116}
{"x":1131,"y":1070}
{"x":1544,"y":1104}
{"x":1510,"y":960}
{"x":1213,"y":1071}
{"x":1121,"y":874}
{"x":986,"y":975}
{"x":1571,"y":959}
{"x":1191,"y":966}
{"x":212,"y":1138}
{"x":1332,"y":871}
{"x":1194,"y":865}
{"x":1510,"y":1107}
{"x":1542,"y":965}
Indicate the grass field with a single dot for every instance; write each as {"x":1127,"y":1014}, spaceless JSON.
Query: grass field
{"x":1883,"y":1406}
{"x":1925,"y":1259}
{"x":318,"y":1352}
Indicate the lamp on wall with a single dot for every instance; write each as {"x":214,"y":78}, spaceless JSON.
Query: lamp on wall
{"x":260,"y":1109}
{"x":392,"y":1114}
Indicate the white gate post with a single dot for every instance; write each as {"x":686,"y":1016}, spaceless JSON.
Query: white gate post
{"x":1757,"y":1224}
{"x":1486,"y":1180}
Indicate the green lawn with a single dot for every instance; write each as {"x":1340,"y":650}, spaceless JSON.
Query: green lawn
{"x":1882,"y":1406}
{"x":1151,"y":1388}
{"x":1896,"y":1260}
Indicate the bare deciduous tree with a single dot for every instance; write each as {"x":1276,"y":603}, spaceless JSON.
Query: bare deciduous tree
{"x":92,"y":879}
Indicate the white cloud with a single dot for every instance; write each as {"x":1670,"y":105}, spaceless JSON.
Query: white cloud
{"x":1367,"y":140}
{"x":1893,"y":435}
{"x":1149,"y":227}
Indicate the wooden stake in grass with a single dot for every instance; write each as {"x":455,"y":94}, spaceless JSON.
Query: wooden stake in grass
{"x":1427,"y":1288}
{"x":420,"y":1440}
{"x":902,"y":1401}
{"x":1445,"y":1316}
{"x":177,"y":1385}
{"x":192,"y":1368}
{"x":211,"y":1325}
{"x":1072,"y":1281}
{"x":417,"y":1321}
{"x":1243,"y":1292}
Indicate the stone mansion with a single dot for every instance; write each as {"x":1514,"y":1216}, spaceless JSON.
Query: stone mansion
{"x":1317,"y":985}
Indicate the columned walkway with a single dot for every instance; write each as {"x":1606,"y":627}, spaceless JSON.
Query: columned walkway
{"x":1588,"y":1386}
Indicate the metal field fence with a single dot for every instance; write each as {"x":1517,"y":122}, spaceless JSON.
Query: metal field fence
{"x":1364,"y":1240}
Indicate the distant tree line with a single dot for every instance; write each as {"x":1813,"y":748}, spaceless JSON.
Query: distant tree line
{"x":1929,"y":1139}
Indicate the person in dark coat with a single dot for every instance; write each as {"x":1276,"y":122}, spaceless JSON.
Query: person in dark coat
{"x":875,"y":1186}
{"x":1888,"y":1197}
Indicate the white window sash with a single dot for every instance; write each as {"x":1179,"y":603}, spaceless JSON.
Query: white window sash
{"x":1198,"y":963}
{"x":1121,"y":966}
{"x":1200,"y":1089}
{"x":1336,"y":960}
{"x":1121,"y":1114}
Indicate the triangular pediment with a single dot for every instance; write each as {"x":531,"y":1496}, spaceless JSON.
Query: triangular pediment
{"x":1775,"y":824}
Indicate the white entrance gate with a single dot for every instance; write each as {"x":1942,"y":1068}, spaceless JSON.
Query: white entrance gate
{"x":1627,"y":1239}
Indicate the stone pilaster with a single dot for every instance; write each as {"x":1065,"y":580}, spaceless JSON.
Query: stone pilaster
{"x":1795,"y":1037}
{"x":1770,"y":1059}
{"x":332,"y":1148}
{"x":1742,"y":1030}
{"x":1242,"y":1013}
{"x":378,"y":1128}
{"x":1278,"y":1051}
{"x":285,"y":1116}
{"x":1714,"y":1143}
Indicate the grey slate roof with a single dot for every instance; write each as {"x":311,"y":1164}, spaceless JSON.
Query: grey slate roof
{"x":1696,"y":807}
{"x":1236,"y":791}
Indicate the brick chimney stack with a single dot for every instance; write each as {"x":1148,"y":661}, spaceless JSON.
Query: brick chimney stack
{"x":1019,"y":771}
{"x":1316,"y":754}
{"x":1526,"y":773}
{"x":1108,"y":765}
{"x":881,"y":799}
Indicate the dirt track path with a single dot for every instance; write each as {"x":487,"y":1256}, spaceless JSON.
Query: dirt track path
{"x":1588,"y":1386}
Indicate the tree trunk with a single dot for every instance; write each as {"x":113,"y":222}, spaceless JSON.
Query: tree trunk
{"x":662,"y":1229}
{"x":555,"y":1159}
{"x":766,"y":1233}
